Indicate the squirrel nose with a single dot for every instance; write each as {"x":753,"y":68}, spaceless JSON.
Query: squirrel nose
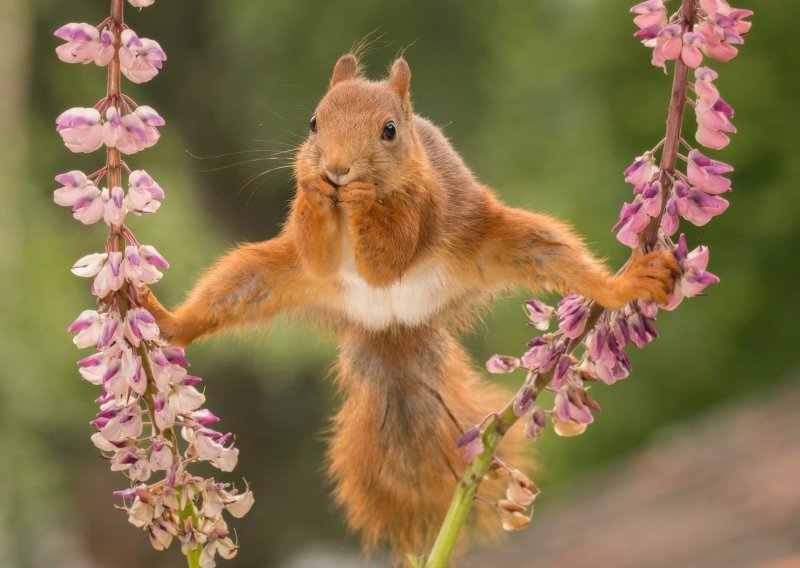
{"x":337,"y":170}
{"x":337,"y":174}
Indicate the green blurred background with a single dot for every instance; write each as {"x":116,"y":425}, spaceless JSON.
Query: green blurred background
{"x":547,"y":100}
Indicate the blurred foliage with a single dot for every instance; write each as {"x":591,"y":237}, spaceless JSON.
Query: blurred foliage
{"x":547,"y":100}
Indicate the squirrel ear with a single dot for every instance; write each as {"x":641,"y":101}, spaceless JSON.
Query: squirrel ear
{"x":346,"y":68}
{"x":400,"y":78}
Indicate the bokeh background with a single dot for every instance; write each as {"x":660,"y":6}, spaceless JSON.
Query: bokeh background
{"x":547,"y":100}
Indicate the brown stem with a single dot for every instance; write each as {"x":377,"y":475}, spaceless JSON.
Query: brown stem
{"x":672,"y":142}
{"x":114,"y":94}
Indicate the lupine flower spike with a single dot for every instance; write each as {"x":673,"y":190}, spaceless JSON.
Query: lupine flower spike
{"x":589,"y":346}
{"x":151,"y":423}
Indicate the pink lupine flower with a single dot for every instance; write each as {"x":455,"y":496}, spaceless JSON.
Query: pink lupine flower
{"x":126,"y":133}
{"x":89,"y":265}
{"x":641,"y":330}
{"x":204,"y":417}
{"x":144,"y":194}
{"x":164,"y":414}
{"x":151,"y":120}
{"x":114,"y":206}
{"x":676,"y":201}
{"x":88,"y":325}
{"x":650,"y":13}
{"x":75,"y":184}
{"x":642,"y":170}
{"x":542,"y":355}
{"x":718,"y":41}
{"x":572,"y":315}
{"x":140,"y":58}
{"x":150,"y":261}
{"x":139,"y":324}
{"x":209,"y":446}
{"x":701,"y":207}
{"x":668,"y":45}
{"x":711,"y":111}
{"x":605,"y":358}
{"x":539,"y":314}
{"x":570,"y":415}
{"x":239,"y":505}
{"x":185,"y":399}
{"x":141,"y":265}
{"x":707,"y":175}
{"x":124,"y":424}
{"x":635,"y":216}
{"x":734,"y":15}
{"x":112,"y":330}
{"x":81,"y":129}
{"x":160,"y":455}
{"x":109,"y":278}
{"x":536,"y":424}
{"x":694,"y":279}
{"x":502,"y":364}
{"x":523,"y":402}
{"x":472,"y":442}
{"x":85,"y":44}
{"x":81,"y":195}
{"x":562,"y":373}
{"x":690,"y":52}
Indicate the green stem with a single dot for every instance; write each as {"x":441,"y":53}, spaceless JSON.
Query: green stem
{"x":467,"y":488}
{"x":193,"y":556}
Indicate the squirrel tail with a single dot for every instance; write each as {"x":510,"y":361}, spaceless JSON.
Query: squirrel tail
{"x":409,"y":395}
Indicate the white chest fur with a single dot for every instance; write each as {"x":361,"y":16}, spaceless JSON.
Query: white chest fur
{"x":411,"y":300}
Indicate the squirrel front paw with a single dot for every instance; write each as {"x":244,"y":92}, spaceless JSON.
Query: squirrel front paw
{"x":164,"y":319}
{"x":318,"y":192}
{"x":648,"y":277}
{"x":357,"y":194}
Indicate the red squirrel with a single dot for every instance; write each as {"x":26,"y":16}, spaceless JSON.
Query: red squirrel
{"x":393,"y":244}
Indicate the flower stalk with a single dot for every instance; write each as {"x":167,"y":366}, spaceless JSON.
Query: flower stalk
{"x":589,"y":345}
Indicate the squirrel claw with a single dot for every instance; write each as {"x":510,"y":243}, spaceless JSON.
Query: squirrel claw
{"x":358,"y":193}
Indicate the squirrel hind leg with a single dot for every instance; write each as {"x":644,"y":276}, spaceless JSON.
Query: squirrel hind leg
{"x":393,"y":456}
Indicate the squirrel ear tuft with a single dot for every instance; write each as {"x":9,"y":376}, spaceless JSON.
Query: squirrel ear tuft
{"x":400,"y":78}
{"x":346,"y":68}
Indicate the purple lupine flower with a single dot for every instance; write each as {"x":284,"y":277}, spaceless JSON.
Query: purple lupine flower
{"x":539,"y":314}
{"x":85,"y":44}
{"x":690,"y":52}
{"x":144,"y":194}
{"x":713,"y":121}
{"x":140,"y":58}
{"x":502,"y":364}
{"x":536,"y":424}
{"x":542,"y":355}
{"x":642,"y":171}
{"x":523,"y":402}
{"x":651,"y":13}
{"x":89,"y":326}
{"x":571,"y":415}
{"x":694,"y":279}
{"x":81,"y":129}
{"x":572,"y":315}
{"x":706,"y":174}
{"x":472,"y":442}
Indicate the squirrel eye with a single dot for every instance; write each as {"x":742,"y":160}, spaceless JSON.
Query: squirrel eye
{"x":312,"y":124}
{"x":389,"y":131}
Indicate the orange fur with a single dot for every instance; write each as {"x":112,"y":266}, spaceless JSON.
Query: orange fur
{"x":403,"y":224}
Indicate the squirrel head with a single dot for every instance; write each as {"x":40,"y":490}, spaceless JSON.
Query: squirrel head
{"x":363,"y":130}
